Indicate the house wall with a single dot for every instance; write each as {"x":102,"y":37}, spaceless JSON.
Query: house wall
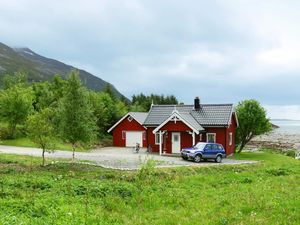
{"x":171,"y":126}
{"x":230,"y":148}
{"x":126,"y":125}
{"x":221,"y":134}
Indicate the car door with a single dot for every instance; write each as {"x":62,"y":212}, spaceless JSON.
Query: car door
{"x":215,"y":149}
{"x":208,"y":151}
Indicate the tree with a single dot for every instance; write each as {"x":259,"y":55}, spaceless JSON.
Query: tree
{"x":252,"y":121}
{"x":43,"y":95}
{"x":15,"y":106}
{"x":109,"y":90}
{"x":41,"y":131}
{"x":76,"y":121}
{"x":9,"y":81}
{"x":105,"y":110}
{"x":143,"y":103}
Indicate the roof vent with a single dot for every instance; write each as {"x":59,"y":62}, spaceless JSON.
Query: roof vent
{"x":197,"y":104}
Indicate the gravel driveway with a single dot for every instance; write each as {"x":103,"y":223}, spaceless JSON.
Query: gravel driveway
{"x":117,"y":158}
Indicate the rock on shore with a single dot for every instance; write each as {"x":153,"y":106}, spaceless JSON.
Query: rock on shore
{"x":276,"y":140}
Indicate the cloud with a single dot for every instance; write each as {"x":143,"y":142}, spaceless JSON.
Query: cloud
{"x":222,"y":51}
{"x":283,"y":112}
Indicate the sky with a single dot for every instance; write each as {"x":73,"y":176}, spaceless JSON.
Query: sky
{"x":223,"y":51}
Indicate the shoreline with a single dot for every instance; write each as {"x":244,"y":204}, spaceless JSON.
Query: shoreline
{"x":277,"y":140}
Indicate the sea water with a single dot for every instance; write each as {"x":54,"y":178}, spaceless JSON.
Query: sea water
{"x":287,"y":126}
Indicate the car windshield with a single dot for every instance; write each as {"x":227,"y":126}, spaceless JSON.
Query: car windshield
{"x":200,"y":145}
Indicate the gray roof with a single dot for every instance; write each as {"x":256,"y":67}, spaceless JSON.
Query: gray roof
{"x":208,"y":115}
{"x":191,"y":120}
{"x":139,"y":116}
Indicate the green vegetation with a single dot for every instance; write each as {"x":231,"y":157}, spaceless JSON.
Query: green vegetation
{"x":79,"y":116}
{"x":252,"y":121}
{"x":64,"y":193}
{"x":142,"y":103}
{"x":76,"y":122}
{"x":15,"y":104}
{"x":41,"y":131}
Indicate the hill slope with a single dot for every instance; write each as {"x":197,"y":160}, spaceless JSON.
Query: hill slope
{"x":40,"y":68}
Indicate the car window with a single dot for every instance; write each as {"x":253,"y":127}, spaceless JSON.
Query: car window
{"x":200,"y":146}
{"x":208,"y":147}
{"x":220,"y":147}
{"x":215,"y":147}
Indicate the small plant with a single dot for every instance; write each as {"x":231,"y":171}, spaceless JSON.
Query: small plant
{"x":147,"y":169}
{"x":290,"y":153}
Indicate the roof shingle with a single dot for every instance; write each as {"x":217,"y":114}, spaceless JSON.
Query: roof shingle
{"x":208,"y":115}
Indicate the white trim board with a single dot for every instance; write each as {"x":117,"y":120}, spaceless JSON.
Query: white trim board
{"x":117,"y":123}
{"x":174,"y":114}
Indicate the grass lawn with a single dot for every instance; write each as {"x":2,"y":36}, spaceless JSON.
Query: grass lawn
{"x":26,"y":142}
{"x":62,"y":193}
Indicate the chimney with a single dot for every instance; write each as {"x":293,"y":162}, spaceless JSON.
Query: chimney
{"x":197,"y":104}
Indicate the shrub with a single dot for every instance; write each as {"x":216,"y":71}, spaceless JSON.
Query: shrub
{"x":278,"y":172}
{"x":290,"y":153}
{"x":147,"y":169}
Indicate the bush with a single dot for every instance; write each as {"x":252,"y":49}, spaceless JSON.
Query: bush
{"x":4,"y":133}
{"x":278,"y":172}
{"x":147,"y":169}
{"x":290,"y":153}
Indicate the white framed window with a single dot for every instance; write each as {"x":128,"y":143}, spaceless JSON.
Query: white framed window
{"x":123,"y":134}
{"x":144,"y":135}
{"x":211,"y":137}
{"x":230,"y":138}
{"x":129,"y":118}
{"x":157,"y":138}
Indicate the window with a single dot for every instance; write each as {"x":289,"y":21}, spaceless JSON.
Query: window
{"x":123,"y":135}
{"x":211,"y":137}
{"x":175,"y":138}
{"x":230,"y":138}
{"x":157,"y":140}
{"x":215,"y":147}
{"x":130,"y":118}
{"x":208,"y":147}
{"x":144,"y":135}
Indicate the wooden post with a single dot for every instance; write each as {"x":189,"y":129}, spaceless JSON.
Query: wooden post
{"x":193,"y":138}
{"x":160,"y":142}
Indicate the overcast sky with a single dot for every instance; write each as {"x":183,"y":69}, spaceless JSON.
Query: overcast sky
{"x":223,"y":51}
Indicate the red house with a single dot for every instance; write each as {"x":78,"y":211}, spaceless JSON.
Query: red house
{"x":169,"y":128}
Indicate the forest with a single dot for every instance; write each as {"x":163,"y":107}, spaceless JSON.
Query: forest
{"x":63,"y":111}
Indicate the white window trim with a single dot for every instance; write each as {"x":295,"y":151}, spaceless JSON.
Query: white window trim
{"x":230,"y":138}
{"x":215,"y":136}
{"x":157,"y":142}
{"x":130,"y":118}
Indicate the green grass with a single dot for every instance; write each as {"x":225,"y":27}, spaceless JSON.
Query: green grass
{"x":64,"y":193}
{"x":26,"y":142}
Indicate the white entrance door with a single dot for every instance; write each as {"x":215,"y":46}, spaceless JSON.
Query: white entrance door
{"x":133,"y":137}
{"x":176,"y":142}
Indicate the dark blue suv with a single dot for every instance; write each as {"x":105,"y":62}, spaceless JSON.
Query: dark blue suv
{"x":203,"y":150}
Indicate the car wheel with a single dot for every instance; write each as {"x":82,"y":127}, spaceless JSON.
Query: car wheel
{"x":197,"y":158}
{"x":218,"y":159}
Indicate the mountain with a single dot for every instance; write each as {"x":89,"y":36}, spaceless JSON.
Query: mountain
{"x":40,"y":68}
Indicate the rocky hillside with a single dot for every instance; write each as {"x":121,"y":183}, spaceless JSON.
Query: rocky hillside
{"x":40,"y":68}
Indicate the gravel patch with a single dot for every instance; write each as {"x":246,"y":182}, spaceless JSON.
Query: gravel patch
{"x":118,"y":158}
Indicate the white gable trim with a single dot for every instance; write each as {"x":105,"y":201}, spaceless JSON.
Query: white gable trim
{"x":176,"y":115}
{"x":117,"y":123}
{"x":233,"y":112}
